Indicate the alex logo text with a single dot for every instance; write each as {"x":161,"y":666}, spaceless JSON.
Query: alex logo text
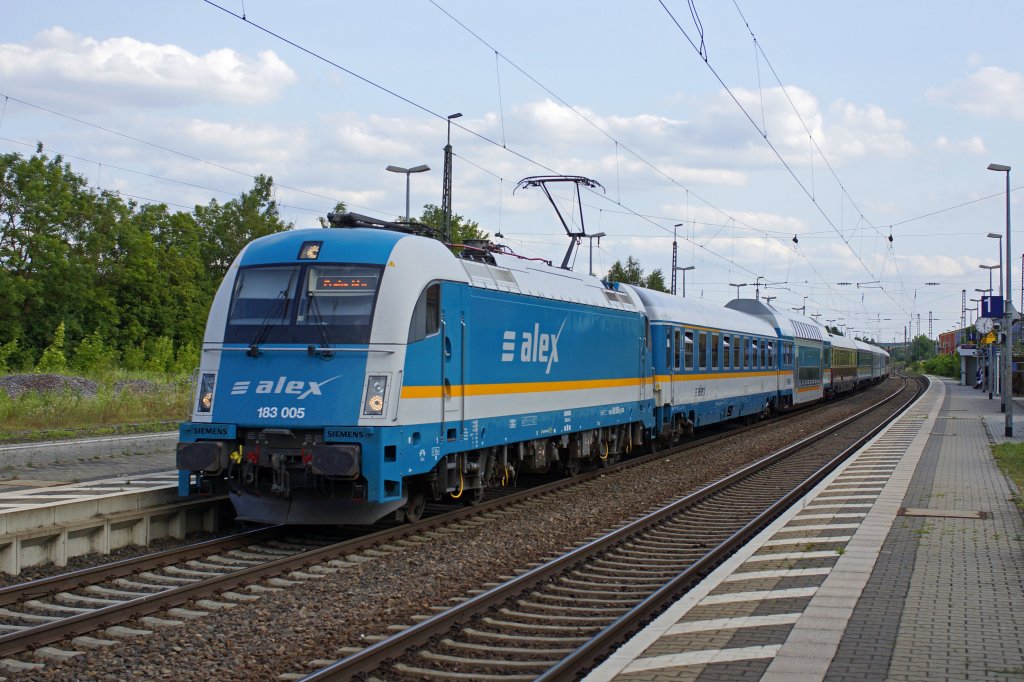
{"x":534,"y":346}
{"x":282,"y":385}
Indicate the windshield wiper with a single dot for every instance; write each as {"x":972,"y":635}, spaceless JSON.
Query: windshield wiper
{"x":279,"y":310}
{"x":312,"y":306}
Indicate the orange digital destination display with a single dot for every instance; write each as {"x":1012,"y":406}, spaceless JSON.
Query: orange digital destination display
{"x":342,"y":283}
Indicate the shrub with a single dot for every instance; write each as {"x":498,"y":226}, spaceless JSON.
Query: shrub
{"x":942,"y":365}
{"x":53,"y":359}
{"x":159,"y":355}
{"x":8,"y":355}
{"x":186,"y":360}
{"x":93,"y":356}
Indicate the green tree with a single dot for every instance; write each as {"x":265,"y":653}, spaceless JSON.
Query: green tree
{"x":338,"y":208}
{"x":921,"y":348}
{"x":656,"y":281}
{"x":462,"y":228}
{"x":630,"y":273}
{"x":227,"y":227}
{"x":45,"y":208}
{"x":633,"y":273}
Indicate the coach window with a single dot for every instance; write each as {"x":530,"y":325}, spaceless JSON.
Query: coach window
{"x":668,"y":348}
{"x":702,"y":350}
{"x":764,"y":353}
{"x":726,"y":351}
{"x":678,"y":334}
{"x":689,"y":350}
{"x":714,"y":351}
{"x":737,"y":346}
{"x":426,"y":316}
{"x":771,"y":354}
{"x":753,"y":354}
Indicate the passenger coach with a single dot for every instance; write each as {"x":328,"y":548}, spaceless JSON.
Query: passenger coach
{"x":711,"y":364}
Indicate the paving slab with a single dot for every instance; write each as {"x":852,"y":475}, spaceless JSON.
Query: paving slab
{"x":927,"y":585}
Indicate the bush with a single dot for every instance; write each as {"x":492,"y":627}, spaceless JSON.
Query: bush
{"x":159,"y":355}
{"x":942,"y":365}
{"x":53,"y":359}
{"x":186,"y":360}
{"x":93,"y":357}
{"x":133,"y":359}
{"x":8,"y":355}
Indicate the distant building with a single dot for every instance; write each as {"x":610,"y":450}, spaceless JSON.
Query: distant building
{"x":947,"y":342}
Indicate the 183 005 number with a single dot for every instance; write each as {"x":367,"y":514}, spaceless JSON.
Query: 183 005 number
{"x":285,"y":412}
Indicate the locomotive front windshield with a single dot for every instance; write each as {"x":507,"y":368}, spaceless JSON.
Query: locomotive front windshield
{"x":319,"y":304}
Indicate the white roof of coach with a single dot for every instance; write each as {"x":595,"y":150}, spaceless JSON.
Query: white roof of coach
{"x":842,"y":342}
{"x":863,"y":345}
{"x":532,"y":278}
{"x":662,"y":307}
{"x":788,"y":324}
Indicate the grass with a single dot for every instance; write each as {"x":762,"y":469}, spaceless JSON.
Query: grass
{"x":36,"y":416}
{"x":1010,"y":458}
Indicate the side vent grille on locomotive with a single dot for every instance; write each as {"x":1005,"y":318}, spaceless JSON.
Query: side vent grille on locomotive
{"x":616,"y":297}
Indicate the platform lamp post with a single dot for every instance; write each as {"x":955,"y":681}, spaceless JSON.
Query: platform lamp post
{"x":737,"y":287}
{"x":408,"y":171}
{"x":683,"y":270}
{"x":1007,"y":314}
{"x":592,"y":237}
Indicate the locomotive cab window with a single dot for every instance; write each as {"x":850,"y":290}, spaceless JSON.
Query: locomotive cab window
{"x":263,"y":296}
{"x":308,"y":304}
{"x":340,"y":298}
{"x":426,"y":316}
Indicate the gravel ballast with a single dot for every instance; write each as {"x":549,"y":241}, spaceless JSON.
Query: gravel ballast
{"x":284,"y":630}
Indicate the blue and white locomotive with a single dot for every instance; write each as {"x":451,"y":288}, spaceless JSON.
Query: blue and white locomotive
{"x":353,"y":373}
{"x":350,"y":373}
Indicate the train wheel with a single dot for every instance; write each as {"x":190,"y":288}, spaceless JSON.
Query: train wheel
{"x":571,"y":466}
{"x":414,"y":506}
{"x":473,"y":497}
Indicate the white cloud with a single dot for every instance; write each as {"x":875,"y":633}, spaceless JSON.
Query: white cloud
{"x":793,"y":118}
{"x":254,"y":147}
{"x":144,"y":74}
{"x":989,"y":91}
{"x":972,"y":145}
{"x":939,"y":265}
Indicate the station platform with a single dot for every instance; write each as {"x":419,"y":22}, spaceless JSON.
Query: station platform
{"x":32,"y":465}
{"x":907,"y":563}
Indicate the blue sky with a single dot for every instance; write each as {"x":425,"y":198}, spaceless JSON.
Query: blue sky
{"x":887,"y":114}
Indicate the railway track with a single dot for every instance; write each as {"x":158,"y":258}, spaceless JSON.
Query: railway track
{"x":213,"y":575}
{"x":556,"y":620}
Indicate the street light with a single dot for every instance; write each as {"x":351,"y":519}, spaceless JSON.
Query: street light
{"x":757,"y":287}
{"x":737,"y":287}
{"x":408,"y":172}
{"x":683,"y":270}
{"x":990,"y":268}
{"x":1007,"y":315}
{"x":592,"y":237}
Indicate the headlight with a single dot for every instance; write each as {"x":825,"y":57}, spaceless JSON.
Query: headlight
{"x":205,"y":403}
{"x":376,"y":386}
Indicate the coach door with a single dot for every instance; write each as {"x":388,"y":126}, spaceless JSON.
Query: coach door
{"x":453,"y":361}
